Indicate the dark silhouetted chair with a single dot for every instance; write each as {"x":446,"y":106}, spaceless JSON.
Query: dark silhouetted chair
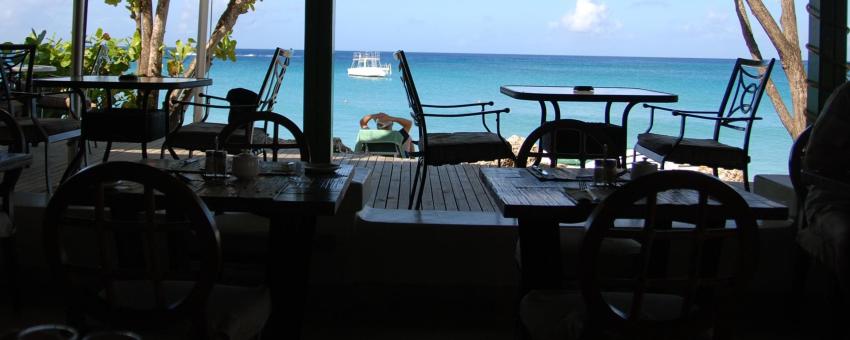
{"x":7,"y":188}
{"x":739,"y":105}
{"x":16,"y":93}
{"x":244,"y":237}
{"x":453,"y":147}
{"x":823,"y":190}
{"x":201,"y":135}
{"x":143,"y":254}
{"x":572,"y":139}
{"x":664,"y":295}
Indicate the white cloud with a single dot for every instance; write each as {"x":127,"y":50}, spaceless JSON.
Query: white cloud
{"x":588,"y":16}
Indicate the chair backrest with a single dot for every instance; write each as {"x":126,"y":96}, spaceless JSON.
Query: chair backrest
{"x":572,"y":139}
{"x":416,"y":112}
{"x":702,"y":263}
{"x":743,"y":95}
{"x":17,"y":61}
{"x":100,"y":57}
{"x":118,"y":233}
{"x":795,"y":170}
{"x":273,"y":80}
{"x":232,"y":136}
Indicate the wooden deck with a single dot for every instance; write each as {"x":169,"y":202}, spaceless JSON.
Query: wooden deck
{"x":450,"y":187}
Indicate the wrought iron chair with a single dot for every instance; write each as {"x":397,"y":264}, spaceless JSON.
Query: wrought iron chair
{"x":244,"y":237}
{"x":662,"y":296}
{"x":7,"y":228}
{"x":16,"y":93}
{"x":820,"y":178}
{"x":201,"y":135}
{"x":437,"y":149}
{"x":62,"y":102}
{"x":144,"y":255}
{"x":572,"y":139}
{"x":739,"y":106}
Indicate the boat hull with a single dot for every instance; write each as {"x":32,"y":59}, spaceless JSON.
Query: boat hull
{"x":369,"y":71}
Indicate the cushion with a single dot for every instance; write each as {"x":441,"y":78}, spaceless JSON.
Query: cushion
{"x":51,"y":126}
{"x":560,"y":314}
{"x":201,"y":136}
{"x":695,"y":151}
{"x":57,"y":102}
{"x":232,"y":312}
{"x":460,"y":147}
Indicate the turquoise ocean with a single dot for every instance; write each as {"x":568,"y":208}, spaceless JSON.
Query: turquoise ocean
{"x":447,"y":78}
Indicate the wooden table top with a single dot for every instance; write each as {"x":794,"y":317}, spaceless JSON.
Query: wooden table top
{"x":273,"y":191}
{"x":521,"y":195}
{"x":113,"y":82}
{"x":11,"y":161}
{"x":599,"y":94}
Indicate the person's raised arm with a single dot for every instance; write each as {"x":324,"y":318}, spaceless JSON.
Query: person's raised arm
{"x":405,"y":123}
{"x":364,"y":122}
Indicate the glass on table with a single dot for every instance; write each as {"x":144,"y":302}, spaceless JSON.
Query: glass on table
{"x":604,"y":172}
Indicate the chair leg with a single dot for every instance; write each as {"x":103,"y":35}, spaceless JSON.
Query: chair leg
{"x":746,"y":179}
{"x":11,"y":263}
{"x":48,"y":187}
{"x":106,"y":152}
{"x":715,"y":171}
{"x":414,"y":185}
{"x":144,"y":150}
{"x":422,"y":186}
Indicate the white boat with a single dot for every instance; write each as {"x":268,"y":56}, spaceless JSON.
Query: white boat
{"x":368,"y":64}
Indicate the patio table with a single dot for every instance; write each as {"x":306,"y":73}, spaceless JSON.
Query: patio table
{"x":292,"y":203}
{"x":539,"y":206}
{"x":137,"y":130}
{"x":607,"y":95}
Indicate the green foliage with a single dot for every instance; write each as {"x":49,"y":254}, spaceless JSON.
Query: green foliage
{"x":51,"y":51}
{"x":226,"y":48}
{"x":177,"y":56}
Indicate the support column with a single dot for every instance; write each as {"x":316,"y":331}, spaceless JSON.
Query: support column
{"x":201,"y":53}
{"x":318,"y":78}
{"x":78,"y":36}
{"x":827,"y":51}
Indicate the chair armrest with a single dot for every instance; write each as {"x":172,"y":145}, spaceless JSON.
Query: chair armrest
{"x":677,"y":110}
{"x":490,"y":103}
{"x":203,"y":95}
{"x":723,"y":119}
{"x":211,"y":105}
{"x":479,"y":113}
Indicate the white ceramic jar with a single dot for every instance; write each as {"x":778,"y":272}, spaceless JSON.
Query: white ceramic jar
{"x":246,"y":165}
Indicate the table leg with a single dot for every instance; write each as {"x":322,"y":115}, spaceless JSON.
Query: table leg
{"x":542,"y":112}
{"x":74,"y":164}
{"x":625,"y":126}
{"x":288,"y":274}
{"x":540,"y":249}
{"x":557,"y":109}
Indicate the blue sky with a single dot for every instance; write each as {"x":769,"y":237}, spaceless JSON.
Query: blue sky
{"x":663,"y":28}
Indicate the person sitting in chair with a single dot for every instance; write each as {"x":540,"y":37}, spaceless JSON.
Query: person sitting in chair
{"x":385,"y":122}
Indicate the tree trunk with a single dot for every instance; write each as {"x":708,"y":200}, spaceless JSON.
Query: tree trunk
{"x":223,"y":27}
{"x":157,"y":37}
{"x":145,"y":28}
{"x":787,"y":45}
